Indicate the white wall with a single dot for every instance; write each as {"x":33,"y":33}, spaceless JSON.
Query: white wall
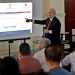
{"x":37,"y":14}
{"x":59,"y":7}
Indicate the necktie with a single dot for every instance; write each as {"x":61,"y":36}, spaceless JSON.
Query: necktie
{"x":48,"y":27}
{"x":49,"y":24}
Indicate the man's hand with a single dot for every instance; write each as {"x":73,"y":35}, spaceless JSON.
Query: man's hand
{"x":46,"y":31}
{"x":28,"y":20}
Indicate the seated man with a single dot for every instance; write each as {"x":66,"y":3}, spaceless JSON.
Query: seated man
{"x":27,"y":64}
{"x":53,"y":57}
{"x":40,"y":54}
{"x":9,"y":66}
{"x":70,"y":59}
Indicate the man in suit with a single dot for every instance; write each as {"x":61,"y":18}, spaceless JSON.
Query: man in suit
{"x":52,"y":28}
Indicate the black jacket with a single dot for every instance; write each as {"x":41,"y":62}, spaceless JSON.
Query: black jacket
{"x":55,"y":26}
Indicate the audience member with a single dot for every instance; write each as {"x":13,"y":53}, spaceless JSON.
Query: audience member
{"x":11,"y":66}
{"x":40,"y":54}
{"x":70,"y":59}
{"x":53,"y":57}
{"x":1,"y":66}
{"x":43,"y":43}
{"x":27,"y":64}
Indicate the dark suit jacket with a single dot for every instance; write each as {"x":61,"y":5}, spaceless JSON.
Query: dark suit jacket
{"x":55,"y":26}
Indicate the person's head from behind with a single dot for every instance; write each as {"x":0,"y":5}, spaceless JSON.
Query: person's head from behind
{"x":53,"y":55}
{"x":51,"y":13}
{"x":1,"y":65}
{"x":44,"y":42}
{"x":24,"y":49}
{"x":10,"y":66}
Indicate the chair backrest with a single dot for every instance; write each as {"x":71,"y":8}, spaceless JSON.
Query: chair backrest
{"x":73,"y":35}
{"x":36,"y":73}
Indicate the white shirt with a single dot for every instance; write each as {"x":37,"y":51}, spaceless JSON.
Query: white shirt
{"x":41,"y":57}
{"x":70,"y":59}
{"x":50,"y":31}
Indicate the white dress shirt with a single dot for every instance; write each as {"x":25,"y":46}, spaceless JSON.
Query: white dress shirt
{"x":70,"y":59}
{"x":41,"y":57}
{"x":50,"y":31}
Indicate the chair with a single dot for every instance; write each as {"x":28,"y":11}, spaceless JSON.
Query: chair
{"x":36,"y":73}
{"x":73,"y":39}
{"x":65,"y":42}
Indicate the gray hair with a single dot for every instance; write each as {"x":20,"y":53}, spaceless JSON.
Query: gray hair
{"x":44,"y":42}
{"x":53,"y":10}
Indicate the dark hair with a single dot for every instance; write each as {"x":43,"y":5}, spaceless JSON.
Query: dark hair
{"x":53,"y":53}
{"x":10,"y":66}
{"x":1,"y":66}
{"x":24,"y":49}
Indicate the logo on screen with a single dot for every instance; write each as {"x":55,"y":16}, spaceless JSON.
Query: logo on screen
{"x":25,"y":4}
{"x":9,"y":5}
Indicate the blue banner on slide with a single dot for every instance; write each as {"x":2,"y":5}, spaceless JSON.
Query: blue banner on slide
{"x":15,"y":32}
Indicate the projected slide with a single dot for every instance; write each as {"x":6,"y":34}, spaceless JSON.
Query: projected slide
{"x":12,"y":18}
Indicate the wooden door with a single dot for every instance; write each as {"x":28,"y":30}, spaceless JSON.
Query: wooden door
{"x":70,"y":14}
{"x":69,"y":17}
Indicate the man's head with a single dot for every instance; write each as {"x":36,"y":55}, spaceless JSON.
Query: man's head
{"x":10,"y":66}
{"x":24,"y":49}
{"x":53,"y":54}
{"x":44,"y":42}
{"x":51,"y":13}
